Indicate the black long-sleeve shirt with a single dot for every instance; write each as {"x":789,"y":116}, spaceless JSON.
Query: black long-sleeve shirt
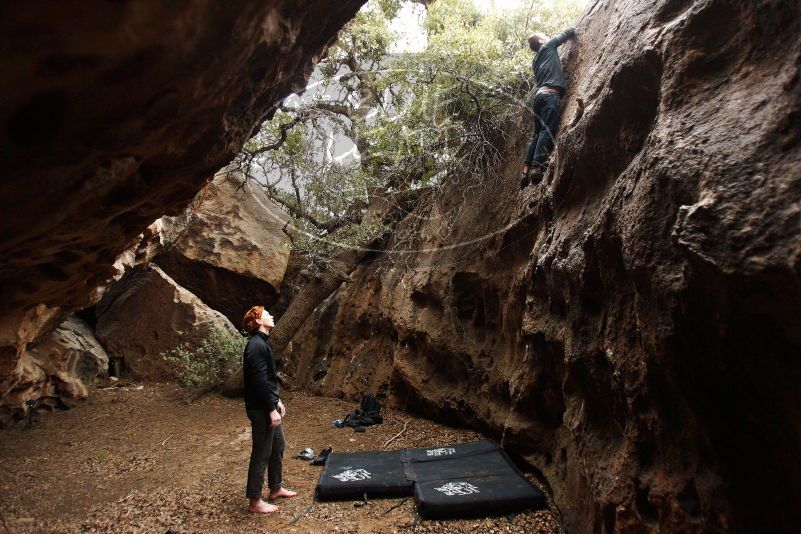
{"x":547,"y":66}
{"x":261,"y":382}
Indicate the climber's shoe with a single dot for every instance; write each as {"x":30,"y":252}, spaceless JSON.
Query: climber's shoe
{"x":535,"y":176}
{"x":305,"y":454}
{"x":321,"y":458}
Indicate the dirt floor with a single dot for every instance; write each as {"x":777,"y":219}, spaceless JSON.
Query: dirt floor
{"x":143,"y":459}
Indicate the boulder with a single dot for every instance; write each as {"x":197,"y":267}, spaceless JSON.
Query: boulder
{"x":56,"y":371}
{"x":74,"y":348}
{"x":230,"y":247}
{"x":18,"y":330}
{"x":146,"y":314}
{"x":22,"y":364}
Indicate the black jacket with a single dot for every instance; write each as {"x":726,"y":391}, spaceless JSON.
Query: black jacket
{"x":546,"y":64}
{"x":261,"y":382}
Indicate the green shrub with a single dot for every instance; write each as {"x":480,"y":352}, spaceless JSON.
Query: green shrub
{"x":209,"y":363}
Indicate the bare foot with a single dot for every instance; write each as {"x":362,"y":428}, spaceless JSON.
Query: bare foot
{"x":261,"y":507}
{"x":282,"y":492}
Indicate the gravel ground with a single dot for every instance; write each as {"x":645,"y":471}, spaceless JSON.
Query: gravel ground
{"x":145,"y":460}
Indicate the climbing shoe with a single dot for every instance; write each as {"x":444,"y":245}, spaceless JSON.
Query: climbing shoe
{"x":524,"y":180}
{"x":535,"y":176}
{"x":322,"y":457}
{"x":305,"y":454}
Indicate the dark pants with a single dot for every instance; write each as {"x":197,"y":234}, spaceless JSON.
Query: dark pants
{"x":267,"y":453}
{"x":547,"y":112}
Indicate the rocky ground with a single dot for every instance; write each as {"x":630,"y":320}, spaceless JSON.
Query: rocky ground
{"x":142,"y":458}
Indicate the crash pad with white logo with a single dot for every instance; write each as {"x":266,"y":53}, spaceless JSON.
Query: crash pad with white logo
{"x":450,"y":481}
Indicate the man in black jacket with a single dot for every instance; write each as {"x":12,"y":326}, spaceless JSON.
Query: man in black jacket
{"x":265,"y":411}
{"x":547,"y":102}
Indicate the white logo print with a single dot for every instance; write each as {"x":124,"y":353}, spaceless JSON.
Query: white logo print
{"x":440,"y":452}
{"x":457,"y":488}
{"x":352,"y":475}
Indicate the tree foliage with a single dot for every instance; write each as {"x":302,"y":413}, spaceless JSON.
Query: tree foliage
{"x":414,"y":119}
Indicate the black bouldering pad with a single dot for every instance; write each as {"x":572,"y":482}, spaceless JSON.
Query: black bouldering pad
{"x":466,"y":497}
{"x":469,"y":480}
{"x":433,"y":454}
{"x":354,"y":475}
{"x":466,"y":480}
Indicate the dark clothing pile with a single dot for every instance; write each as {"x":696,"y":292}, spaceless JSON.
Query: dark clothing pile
{"x":547,"y":105}
{"x":547,"y":66}
{"x":261,"y":382}
{"x":369,"y":413}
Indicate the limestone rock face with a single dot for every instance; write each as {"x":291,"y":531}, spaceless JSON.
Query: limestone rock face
{"x":56,"y":370}
{"x":229,"y":248}
{"x":145,"y":314}
{"x":632,"y":325}
{"x":115,"y":114}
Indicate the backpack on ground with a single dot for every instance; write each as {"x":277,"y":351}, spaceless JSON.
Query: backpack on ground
{"x":369,"y":413}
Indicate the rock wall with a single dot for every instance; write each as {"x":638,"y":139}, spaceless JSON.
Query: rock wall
{"x":631,"y":326}
{"x":114,"y":114}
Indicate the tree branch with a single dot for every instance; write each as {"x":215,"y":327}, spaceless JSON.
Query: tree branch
{"x":332,"y":107}
{"x":283,"y":132}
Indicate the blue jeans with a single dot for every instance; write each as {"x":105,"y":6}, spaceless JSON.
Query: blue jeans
{"x":547,"y":112}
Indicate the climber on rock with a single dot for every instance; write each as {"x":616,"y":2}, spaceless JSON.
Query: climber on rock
{"x":547,"y":69}
{"x":265,"y":411}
